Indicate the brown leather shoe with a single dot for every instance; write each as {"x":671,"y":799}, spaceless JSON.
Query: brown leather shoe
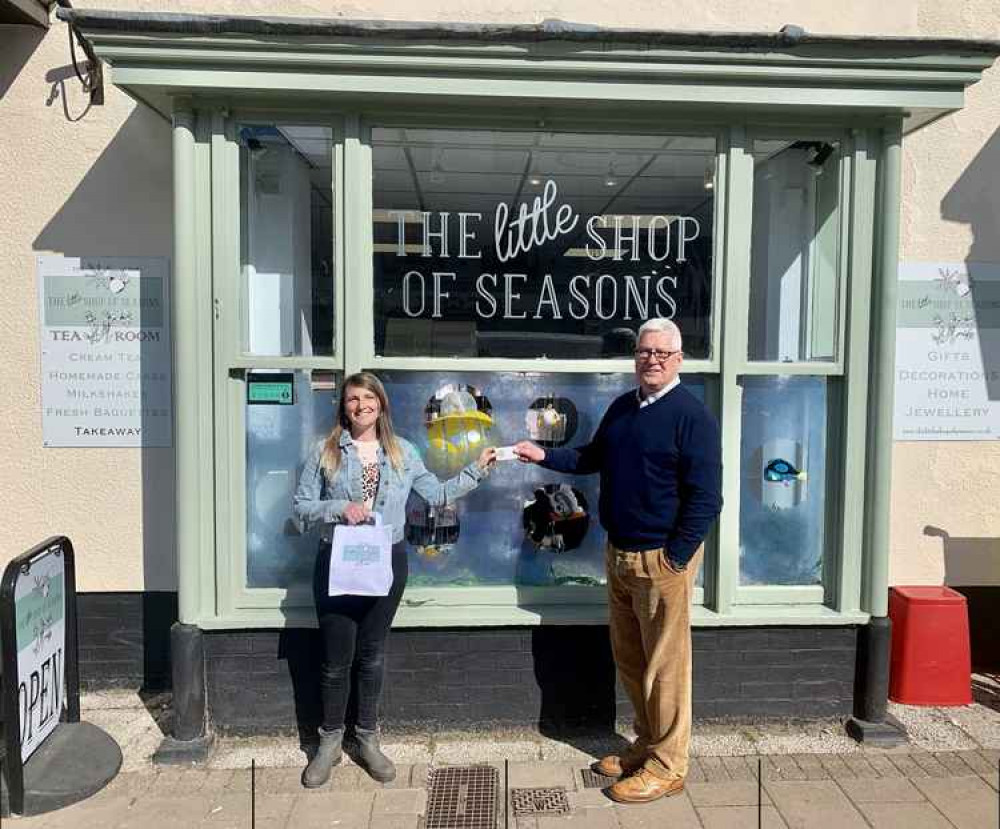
{"x":617,"y":765}
{"x":643,"y":787}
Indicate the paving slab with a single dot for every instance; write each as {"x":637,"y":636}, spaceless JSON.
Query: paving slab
{"x":597,"y":818}
{"x":589,"y":799}
{"x":167,"y":813}
{"x":394,"y":821}
{"x":337,"y":810}
{"x":400,"y":801}
{"x":783,"y":767}
{"x":227,"y":811}
{"x":956,"y":766}
{"x":675,"y":812}
{"x":930,"y":764}
{"x":715,"y":771}
{"x":731,"y":793}
{"x":811,"y":767}
{"x":904,"y":816}
{"x":537,"y":774}
{"x":739,"y":768}
{"x":881,"y":791}
{"x":884,"y":767}
{"x":968,"y":802}
{"x":814,"y":805}
{"x":740,"y":817}
{"x":907,"y":767}
{"x":975,"y":761}
{"x":86,"y":815}
{"x":327,"y":811}
{"x":838,"y":769}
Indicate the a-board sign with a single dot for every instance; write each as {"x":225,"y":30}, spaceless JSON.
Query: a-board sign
{"x":40,"y":671}
{"x":40,"y":629}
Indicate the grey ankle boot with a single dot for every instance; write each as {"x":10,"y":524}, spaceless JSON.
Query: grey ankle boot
{"x":326,"y":757}
{"x":367,"y":754}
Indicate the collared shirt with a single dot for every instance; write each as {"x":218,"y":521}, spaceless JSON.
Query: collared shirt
{"x":649,"y":401}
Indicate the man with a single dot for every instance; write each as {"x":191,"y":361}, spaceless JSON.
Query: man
{"x":658,"y":452}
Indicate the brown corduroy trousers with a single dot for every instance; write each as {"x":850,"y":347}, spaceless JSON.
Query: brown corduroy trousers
{"x":650,"y":623}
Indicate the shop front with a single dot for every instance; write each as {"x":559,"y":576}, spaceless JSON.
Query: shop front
{"x":483,"y":216}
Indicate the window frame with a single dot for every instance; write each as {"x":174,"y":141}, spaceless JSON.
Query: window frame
{"x":722,"y":600}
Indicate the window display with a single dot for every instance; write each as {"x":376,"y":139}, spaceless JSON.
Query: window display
{"x":556,"y":518}
{"x":551,"y":421}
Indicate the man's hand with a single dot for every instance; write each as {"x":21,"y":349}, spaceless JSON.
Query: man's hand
{"x":527,"y":452}
{"x":355,"y":513}
{"x":487,"y":458}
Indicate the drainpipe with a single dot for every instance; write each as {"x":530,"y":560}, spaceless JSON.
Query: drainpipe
{"x":188,"y":741}
{"x":871,"y":723}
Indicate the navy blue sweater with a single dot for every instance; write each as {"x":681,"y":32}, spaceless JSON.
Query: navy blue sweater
{"x":661,"y":472}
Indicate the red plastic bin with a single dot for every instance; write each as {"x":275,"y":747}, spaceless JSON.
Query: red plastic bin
{"x":931,"y":663}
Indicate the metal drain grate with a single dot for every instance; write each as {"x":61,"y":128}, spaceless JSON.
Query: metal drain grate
{"x":462,"y":797}
{"x":593,"y":780}
{"x":551,"y":801}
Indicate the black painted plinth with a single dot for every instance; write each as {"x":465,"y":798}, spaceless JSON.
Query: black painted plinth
{"x":888,"y":733}
{"x":173,"y":752}
{"x":76,"y":761}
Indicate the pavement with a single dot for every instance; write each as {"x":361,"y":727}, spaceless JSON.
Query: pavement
{"x":810,"y":775}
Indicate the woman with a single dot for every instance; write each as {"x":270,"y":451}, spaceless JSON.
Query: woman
{"x":363,"y":467}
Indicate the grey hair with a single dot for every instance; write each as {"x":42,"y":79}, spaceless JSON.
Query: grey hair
{"x":659,"y":325}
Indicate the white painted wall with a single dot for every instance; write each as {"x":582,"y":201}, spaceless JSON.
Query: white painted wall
{"x":81,"y":181}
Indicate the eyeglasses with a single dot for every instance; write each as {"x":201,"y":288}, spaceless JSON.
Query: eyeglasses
{"x":654,"y":354}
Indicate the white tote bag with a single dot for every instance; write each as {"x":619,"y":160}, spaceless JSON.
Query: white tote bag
{"x":361,"y":559}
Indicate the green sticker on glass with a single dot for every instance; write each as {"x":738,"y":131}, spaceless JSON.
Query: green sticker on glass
{"x":271,"y":389}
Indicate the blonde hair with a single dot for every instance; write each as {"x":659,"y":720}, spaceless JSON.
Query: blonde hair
{"x":330,"y":459}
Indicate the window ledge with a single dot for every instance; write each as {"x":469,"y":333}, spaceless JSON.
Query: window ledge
{"x":510,"y":616}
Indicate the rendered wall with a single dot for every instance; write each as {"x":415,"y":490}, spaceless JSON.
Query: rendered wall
{"x":79,"y":181}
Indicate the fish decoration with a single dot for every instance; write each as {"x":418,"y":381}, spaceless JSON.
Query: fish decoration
{"x":780,"y":471}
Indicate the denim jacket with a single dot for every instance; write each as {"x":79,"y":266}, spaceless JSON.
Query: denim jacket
{"x":320,"y":500}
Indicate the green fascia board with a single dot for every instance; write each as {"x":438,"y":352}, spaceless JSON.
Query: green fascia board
{"x":154,"y":55}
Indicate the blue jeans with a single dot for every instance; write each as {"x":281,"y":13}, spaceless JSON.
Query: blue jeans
{"x":354,"y":630}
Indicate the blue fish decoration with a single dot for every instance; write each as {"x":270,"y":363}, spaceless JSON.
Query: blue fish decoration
{"x":780,"y":471}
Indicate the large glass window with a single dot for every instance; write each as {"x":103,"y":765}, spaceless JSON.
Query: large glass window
{"x":783,"y":494}
{"x":536,"y":243}
{"x":794,"y":257}
{"x":286,"y":222}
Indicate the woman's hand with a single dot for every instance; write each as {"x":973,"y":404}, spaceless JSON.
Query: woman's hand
{"x":527,"y":452}
{"x":487,"y":458}
{"x":355,"y":513}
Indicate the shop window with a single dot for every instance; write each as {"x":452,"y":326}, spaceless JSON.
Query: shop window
{"x":524,"y":525}
{"x":523,"y":244}
{"x":286,"y":229}
{"x":279,"y":437}
{"x":783,"y":467}
{"x":794,"y":308}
